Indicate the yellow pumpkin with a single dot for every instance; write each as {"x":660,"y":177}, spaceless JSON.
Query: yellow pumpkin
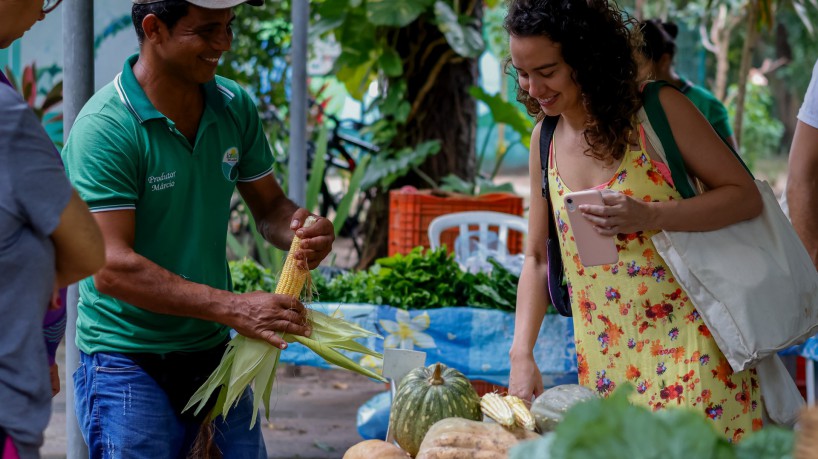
{"x":456,"y":438}
{"x":370,"y":449}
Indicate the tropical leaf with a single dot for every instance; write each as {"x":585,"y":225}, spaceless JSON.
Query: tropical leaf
{"x":395,"y":13}
{"x":342,"y":212}
{"x":384,"y":170}
{"x":391,"y":62}
{"x":505,"y":112}
{"x":462,"y":33}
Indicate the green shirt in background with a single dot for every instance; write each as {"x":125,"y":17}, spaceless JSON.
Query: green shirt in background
{"x":710,"y":106}
{"x":124,"y":154}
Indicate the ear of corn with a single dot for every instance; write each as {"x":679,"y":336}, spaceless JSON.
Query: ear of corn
{"x":249,"y":361}
{"x":522,"y":416}
{"x":494,"y":406}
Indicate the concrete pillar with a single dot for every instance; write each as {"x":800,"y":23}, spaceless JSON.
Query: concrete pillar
{"x":78,"y":87}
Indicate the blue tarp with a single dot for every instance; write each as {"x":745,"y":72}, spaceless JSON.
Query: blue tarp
{"x":475,"y":341}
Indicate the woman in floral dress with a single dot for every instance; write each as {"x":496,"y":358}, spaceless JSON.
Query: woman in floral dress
{"x":633,"y":323}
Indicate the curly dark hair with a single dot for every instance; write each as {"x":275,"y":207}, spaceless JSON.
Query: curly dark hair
{"x":598,"y":42}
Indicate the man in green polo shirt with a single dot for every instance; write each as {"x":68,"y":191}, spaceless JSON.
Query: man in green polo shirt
{"x":157,"y":154}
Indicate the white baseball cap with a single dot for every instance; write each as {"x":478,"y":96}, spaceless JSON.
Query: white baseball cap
{"x":210,"y":4}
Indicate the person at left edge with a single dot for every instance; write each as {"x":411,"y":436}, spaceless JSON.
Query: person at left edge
{"x":157,"y":154}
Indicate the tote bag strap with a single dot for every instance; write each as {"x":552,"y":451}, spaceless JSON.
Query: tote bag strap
{"x":659,"y":123}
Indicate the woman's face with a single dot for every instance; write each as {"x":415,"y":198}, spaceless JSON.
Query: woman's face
{"x":543,"y":73}
{"x":22,"y":14}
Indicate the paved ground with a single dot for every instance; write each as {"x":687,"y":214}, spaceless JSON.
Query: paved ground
{"x":313,"y":417}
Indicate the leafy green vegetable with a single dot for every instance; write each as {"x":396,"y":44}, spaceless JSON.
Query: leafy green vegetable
{"x":422,"y":280}
{"x":249,"y":276}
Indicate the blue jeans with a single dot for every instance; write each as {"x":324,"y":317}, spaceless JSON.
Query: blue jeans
{"x":123,"y":413}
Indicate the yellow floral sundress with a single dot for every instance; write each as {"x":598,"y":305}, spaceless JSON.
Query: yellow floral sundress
{"x":633,"y":322}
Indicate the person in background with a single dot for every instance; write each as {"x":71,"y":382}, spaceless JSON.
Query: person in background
{"x":658,"y":50}
{"x":48,"y":240}
{"x":633,"y":324}
{"x":158,"y":154}
{"x":802,"y":178}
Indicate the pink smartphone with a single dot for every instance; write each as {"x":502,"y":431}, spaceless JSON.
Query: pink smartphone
{"x":594,"y":249}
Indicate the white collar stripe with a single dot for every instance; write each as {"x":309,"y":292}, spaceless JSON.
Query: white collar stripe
{"x":124,"y":97}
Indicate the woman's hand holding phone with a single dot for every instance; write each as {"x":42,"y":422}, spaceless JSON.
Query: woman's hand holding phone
{"x":594,"y":248}
{"x":617,"y":213}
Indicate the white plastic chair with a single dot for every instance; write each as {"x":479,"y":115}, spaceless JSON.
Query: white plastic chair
{"x":484,"y":238}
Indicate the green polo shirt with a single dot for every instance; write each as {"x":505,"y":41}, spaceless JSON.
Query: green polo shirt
{"x":710,"y":106}
{"x":123,"y":154}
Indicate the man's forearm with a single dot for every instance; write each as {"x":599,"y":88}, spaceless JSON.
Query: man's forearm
{"x":802,"y":199}
{"x":802,"y":186}
{"x":275,"y":225}
{"x":136,"y":280}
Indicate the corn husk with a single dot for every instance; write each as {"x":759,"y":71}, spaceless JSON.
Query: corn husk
{"x":249,"y":361}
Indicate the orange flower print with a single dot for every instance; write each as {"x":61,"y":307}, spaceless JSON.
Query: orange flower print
{"x":648,"y":254}
{"x":737,"y":434}
{"x":655,"y":177}
{"x":704,"y":331}
{"x":627,"y":192}
{"x":613,"y":332}
{"x":744,"y":398}
{"x":582,"y":369}
{"x":679,"y":354}
{"x":656,"y":348}
{"x":723,"y":372}
{"x":632,"y":373}
{"x":757,"y":424}
{"x":658,"y":311}
{"x":642,"y":289}
{"x":672,"y":392}
{"x":586,"y":307}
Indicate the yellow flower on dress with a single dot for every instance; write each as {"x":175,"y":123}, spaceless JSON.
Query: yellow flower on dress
{"x":407,"y":332}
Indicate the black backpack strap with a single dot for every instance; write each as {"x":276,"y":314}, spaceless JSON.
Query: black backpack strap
{"x":557,"y":288}
{"x":547,"y":128}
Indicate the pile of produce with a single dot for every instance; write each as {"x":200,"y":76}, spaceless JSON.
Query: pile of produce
{"x":437,"y":415}
{"x":423,"y":279}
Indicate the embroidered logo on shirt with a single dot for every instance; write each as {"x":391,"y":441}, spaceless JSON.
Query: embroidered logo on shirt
{"x":162,"y":181}
{"x":229,"y":161}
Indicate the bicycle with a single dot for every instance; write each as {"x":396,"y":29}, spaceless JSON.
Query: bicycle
{"x":342,"y":154}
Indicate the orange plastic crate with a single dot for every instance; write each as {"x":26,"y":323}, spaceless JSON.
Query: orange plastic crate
{"x":411,"y":212}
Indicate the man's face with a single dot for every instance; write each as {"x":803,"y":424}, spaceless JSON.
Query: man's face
{"x":193,"y":47}
{"x":25,"y":13}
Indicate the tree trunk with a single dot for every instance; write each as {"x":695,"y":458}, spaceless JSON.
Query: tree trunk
{"x":437,"y":81}
{"x":744,"y":69}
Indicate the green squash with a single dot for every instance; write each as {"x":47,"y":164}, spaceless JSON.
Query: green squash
{"x":552,"y":404}
{"x":427,"y":395}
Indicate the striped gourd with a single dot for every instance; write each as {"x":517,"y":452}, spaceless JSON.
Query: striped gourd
{"x":427,"y":395}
